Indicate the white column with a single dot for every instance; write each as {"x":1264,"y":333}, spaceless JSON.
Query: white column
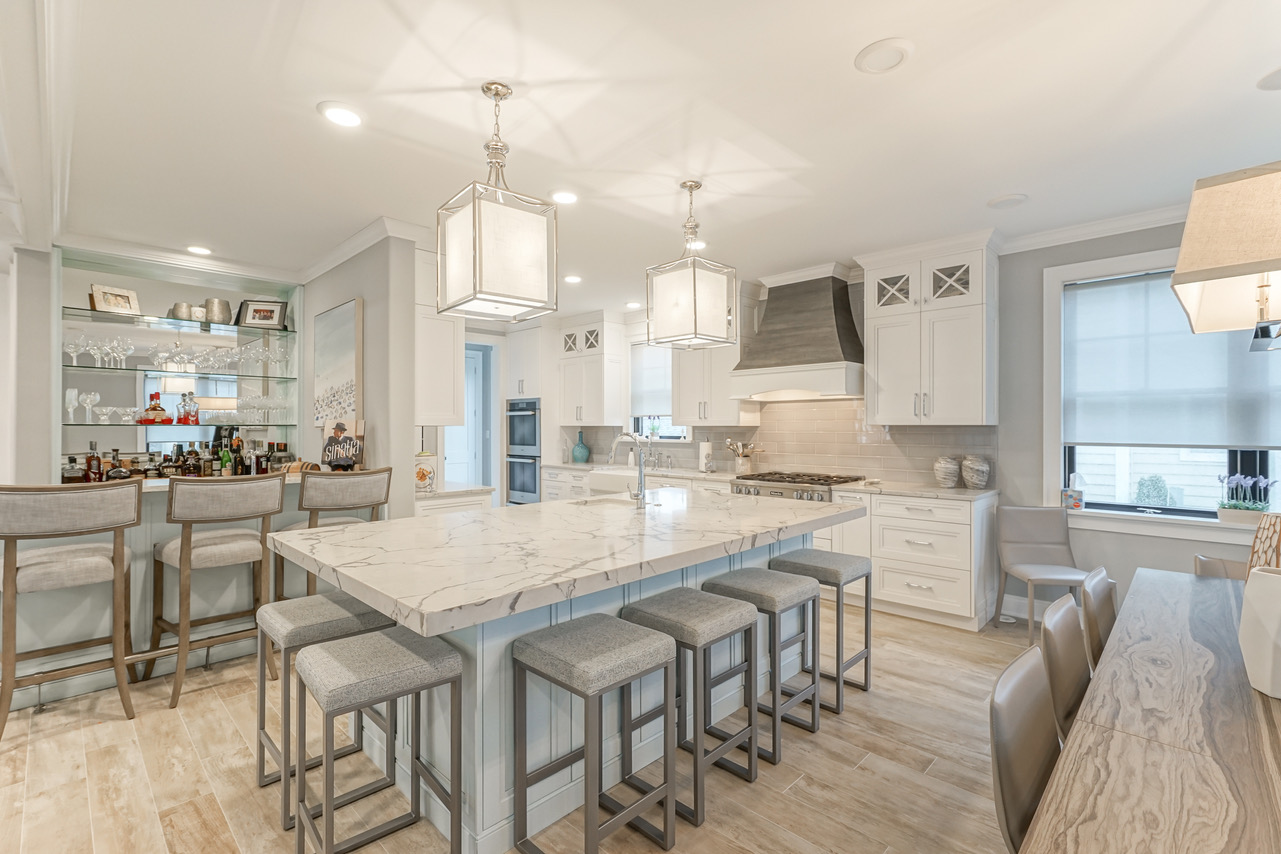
{"x":36,"y":376}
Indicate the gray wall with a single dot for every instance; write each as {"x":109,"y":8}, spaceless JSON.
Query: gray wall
{"x":36,"y":318}
{"x":1019,"y":462}
{"x":383,"y":276}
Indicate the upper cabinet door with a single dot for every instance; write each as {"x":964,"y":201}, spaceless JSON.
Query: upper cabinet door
{"x":523,"y":363}
{"x":721,"y":410}
{"x":952,"y":281}
{"x":571,"y":391}
{"x":893,"y":290}
{"x":439,"y":342}
{"x":689,"y":387}
{"x":953,"y":344}
{"x":892,"y":381}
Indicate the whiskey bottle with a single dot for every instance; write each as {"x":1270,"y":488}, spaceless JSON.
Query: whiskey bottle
{"x":207,"y":461}
{"x":191,"y":463}
{"x":238,"y":457}
{"x":72,"y":473}
{"x":116,"y":471}
{"x":151,"y":470}
{"x":269,"y":465}
{"x":154,"y":413}
{"x":228,"y":467}
{"x":170,"y":467}
{"x":93,"y":464}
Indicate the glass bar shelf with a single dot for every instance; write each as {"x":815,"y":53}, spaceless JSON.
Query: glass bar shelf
{"x":161,"y":372}
{"x":91,"y":316}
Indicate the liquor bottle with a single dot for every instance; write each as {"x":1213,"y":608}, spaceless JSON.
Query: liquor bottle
{"x":93,"y":465}
{"x":151,"y":470}
{"x":191,"y":462}
{"x":72,"y":473}
{"x":170,"y":467}
{"x":228,"y":467}
{"x":154,"y":413}
{"x":115,"y":470}
{"x":207,"y":461}
{"x":238,"y":457}
{"x":270,"y":464}
{"x":258,"y":460}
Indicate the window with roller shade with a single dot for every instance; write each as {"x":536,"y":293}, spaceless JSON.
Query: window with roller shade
{"x":652,"y":394}
{"x":1153,"y":415}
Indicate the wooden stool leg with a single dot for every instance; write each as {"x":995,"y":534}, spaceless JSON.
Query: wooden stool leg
{"x":157,"y":613}
{"x":131,"y":670}
{"x":119,"y":599}
{"x":9,"y":638}
{"x":280,"y":578}
{"x":184,"y":628}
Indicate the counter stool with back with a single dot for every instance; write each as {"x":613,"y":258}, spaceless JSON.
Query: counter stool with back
{"x":344,"y":492}
{"x":211,"y":501}
{"x":47,"y":512}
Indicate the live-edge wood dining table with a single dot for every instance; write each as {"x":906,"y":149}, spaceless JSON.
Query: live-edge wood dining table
{"x":1172,"y":750}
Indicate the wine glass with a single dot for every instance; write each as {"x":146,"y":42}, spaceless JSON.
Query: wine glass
{"x":70,"y":401}
{"x":125,"y":351}
{"x":88,"y":399}
{"x":95,"y":349}
{"x":74,"y":347}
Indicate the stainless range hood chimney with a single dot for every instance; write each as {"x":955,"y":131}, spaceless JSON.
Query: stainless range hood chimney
{"x":808,"y":346}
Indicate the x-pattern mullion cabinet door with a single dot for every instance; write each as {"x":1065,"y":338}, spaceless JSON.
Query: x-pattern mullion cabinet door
{"x":894,"y":290}
{"x":952,"y":281}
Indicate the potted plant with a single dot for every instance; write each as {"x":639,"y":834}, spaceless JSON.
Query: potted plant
{"x":1245,"y":498}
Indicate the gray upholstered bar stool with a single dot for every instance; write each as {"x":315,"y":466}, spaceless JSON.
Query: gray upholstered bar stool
{"x":354,"y":673}
{"x":343,"y":492}
{"x":774,"y":594}
{"x":292,"y":625}
{"x":836,"y":570}
{"x":46,"y":512}
{"x":210,"y":501}
{"x":697,"y":621}
{"x":589,"y":657}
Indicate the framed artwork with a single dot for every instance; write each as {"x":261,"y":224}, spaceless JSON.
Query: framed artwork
{"x":118,"y":300}
{"x":338,"y":358}
{"x":344,"y":448}
{"x":262,"y":314}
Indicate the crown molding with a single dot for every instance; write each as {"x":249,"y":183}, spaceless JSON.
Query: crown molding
{"x":819,"y":271}
{"x":1099,"y":228}
{"x":135,"y":252}
{"x":379,"y":229}
{"x":985,"y":239}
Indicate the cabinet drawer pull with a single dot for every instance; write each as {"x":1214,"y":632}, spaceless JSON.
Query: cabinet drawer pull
{"x":919,"y":586}
{"x":918,"y":509}
{"x":917,"y":542}
{"x":916,"y":405}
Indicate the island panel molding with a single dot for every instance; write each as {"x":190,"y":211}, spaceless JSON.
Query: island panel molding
{"x":443,"y":574}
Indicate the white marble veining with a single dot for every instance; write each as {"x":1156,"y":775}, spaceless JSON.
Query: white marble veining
{"x":916,"y":490}
{"x":441,"y":574}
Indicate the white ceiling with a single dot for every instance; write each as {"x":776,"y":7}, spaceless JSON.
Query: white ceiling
{"x":196,"y":122}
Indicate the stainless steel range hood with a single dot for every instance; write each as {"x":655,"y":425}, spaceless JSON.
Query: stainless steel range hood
{"x":808,"y":346}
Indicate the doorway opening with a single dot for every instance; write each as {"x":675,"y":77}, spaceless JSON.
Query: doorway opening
{"x":467,"y":446}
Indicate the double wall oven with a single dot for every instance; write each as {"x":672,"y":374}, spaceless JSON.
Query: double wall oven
{"x":524,"y":450}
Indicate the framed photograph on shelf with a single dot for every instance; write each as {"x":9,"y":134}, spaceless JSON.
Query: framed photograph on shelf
{"x":338,"y":357}
{"x":118,"y":300}
{"x":262,"y":314}
{"x":344,"y":448}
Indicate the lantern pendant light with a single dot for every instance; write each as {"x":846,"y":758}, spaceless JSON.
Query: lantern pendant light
{"x":691,"y":300}
{"x":496,"y":249}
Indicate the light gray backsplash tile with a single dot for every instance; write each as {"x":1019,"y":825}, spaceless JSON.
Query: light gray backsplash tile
{"x":827,"y":437}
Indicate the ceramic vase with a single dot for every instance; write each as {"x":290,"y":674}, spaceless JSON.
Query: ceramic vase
{"x":424,"y":473}
{"x":1240,"y":517}
{"x":1260,"y":630}
{"x":975,"y":471}
{"x":947,"y":471}
{"x":581,"y":451}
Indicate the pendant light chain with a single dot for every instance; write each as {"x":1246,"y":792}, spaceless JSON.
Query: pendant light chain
{"x":691,"y":224}
{"x":496,"y":150}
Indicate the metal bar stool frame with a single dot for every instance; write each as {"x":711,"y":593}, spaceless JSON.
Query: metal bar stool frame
{"x":182,"y":628}
{"x":701,"y":687}
{"x":65,"y":525}
{"x":779,"y":709}
{"x":315,"y":508}
{"x":452,"y":797}
{"x":591,"y":754}
{"x":281,"y":753}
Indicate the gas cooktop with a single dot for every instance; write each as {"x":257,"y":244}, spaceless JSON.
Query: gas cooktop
{"x":801,"y":478}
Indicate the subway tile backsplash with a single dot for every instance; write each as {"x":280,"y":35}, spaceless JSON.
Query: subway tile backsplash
{"x":827,"y":437}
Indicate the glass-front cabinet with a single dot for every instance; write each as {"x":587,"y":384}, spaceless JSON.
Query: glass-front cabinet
{"x":214,"y":382}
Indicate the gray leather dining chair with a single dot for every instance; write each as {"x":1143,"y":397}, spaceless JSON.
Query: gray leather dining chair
{"x":1066,"y":663}
{"x":1032,"y":543}
{"x":1220,"y":567}
{"x":1025,"y":744}
{"x":1098,"y":601}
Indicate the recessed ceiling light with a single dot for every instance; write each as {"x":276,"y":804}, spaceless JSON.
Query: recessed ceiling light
{"x":339,"y":114}
{"x":1009,"y":200}
{"x":564,"y":197}
{"x":884,"y":55}
{"x":698,"y":244}
{"x":633,"y":305}
{"x":199,"y":250}
{"x":1271,"y":82}
{"x":573,"y":280}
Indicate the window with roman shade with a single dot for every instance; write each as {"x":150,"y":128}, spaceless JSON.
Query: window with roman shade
{"x":652,"y":393}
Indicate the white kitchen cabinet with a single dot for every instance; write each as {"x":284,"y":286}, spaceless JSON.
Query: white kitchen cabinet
{"x":592,"y":391}
{"x":439,"y":344}
{"x":446,"y":504}
{"x":700,"y":390}
{"x":849,"y":538}
{"x":524,"y":350}
{"x":931,"y":338}
{"x":716,"y":486}
{"x":654,"y":480}
{"x":583,"y":339}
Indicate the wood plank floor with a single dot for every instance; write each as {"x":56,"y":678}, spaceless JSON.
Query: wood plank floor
{"x":904,"y":769}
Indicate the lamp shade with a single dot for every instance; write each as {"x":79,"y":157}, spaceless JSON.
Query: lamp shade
{"x":691,"y":303}
{"x":496,"y":255}
{"x":1231,"y":247}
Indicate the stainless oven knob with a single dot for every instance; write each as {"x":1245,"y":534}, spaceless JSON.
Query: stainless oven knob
{"x":804,"y":496}
{"x":756,"y":490}
{"x":818,"y":496}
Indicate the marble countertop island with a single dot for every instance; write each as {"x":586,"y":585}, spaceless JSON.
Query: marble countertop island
{"x":442,"y":574}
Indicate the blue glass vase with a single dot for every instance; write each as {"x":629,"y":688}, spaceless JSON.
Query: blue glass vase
{"x":581,"y":451}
